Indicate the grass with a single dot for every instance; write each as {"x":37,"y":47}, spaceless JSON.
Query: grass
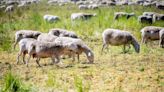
{"x":112,"y":71}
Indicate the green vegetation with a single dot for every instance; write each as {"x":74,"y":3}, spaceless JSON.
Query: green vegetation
{"x":112,"y":71}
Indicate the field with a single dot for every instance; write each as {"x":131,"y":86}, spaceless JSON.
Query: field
{"x":112,"y":71}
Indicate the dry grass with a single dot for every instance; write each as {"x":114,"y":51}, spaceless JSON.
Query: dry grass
{"x":111,"y":72}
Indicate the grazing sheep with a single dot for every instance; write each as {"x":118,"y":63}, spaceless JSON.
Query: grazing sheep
{"x":145,"y":19}
{"x":118,"y":37}
{"x":149,"y":14}
{"x":83,"y":7}
{"x":160,"y":6}
{"x":62,"y":33}
{"x":150,"y":33}
{"x":159,"y":17}
{"x":25,"y":34}
{"x":23,"y":47}
{"x":83,"y":16}
{"x":39,"y":50}
{"x":123,"y":14}
{"x":44,"y":37}
{"x":51,"y":18}
{"x":9,"y":8}
{"x":93,"y":6}
{"x":161,"y":38}
{"x":77,"y":46}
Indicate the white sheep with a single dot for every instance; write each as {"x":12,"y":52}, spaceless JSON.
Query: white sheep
{"x":145,"y":19}
{"x":150,"y":33}
{"x":83,"y":16}
{"x":123,"y":14}
{"x":76,"y":46}
{"x":51,"y":18}
{"x":25,"y":34}
{"x":51,"y":50}
{"x":62,"y":33}
{"x":118,"y":37}
{"x":23,"y":48}
{"x":81,"y":7}
{"x":44,"y":37}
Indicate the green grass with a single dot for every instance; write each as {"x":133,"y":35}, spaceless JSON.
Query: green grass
{"x":112,"y":71}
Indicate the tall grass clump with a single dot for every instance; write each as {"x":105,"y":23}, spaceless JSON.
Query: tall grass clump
{"x":13,"y":84}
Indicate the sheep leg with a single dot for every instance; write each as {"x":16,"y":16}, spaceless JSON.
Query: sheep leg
{"x":124,"y":49}
{"x":58,"y":60}
{"x":28,"y":60}
{"x":78,"y":57}
{"x":24,"y":54}
{"x":37,"y":61}
{"x":19,"y":54}
{"x":104,"y":46}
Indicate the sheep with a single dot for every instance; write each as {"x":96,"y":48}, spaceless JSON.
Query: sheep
{"x":81,"y":7}
{"x":147,"y":19}
{"x":149,"y":14}
{"x":83,"y":16}
{"x":161,"y":38}
{"x":118,"y":37}
{"x":51,"y":18}
{"x":93,"y":6}
{"x":46,"y":37}
{"x":158,"y":16}
{"x":123,"y":14}
{"x":150,"y":33}
{"x":23,"y":47}
{"x":39,"y":50}
{"x":9,"y":8}
{"x":25,"y":34}
{"x":77,"y":46}
{"x":62,"y":33}
{"x":160,"y":6}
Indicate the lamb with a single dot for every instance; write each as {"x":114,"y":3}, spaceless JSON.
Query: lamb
{"x":62,"y":33}
{"x":146,"y":19}
{"x":25,"y":34}
{"x":23,"y":47}
{"x":123,"y":14}
{"x":77,"y":46}
{"x":39,"y":50}
{"x":118,"y":37}
{"x":161,"y":38}
{"x":46,"y":37}
{"x":83,"y":16}
{"x":51,"y":18}
{"x":150,"y":33}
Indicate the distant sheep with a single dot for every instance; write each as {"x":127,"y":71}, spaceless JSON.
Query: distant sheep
{"x":51,"y":18}
{"x":83,"y":16}
{"x":160,"y":6}
{"x":145,"y":19}
{"x":81,"y":7}
{"x":150,"y":33}
{"x":23,"y":48}
{"x":123,"y":14}
{"x":9,"y":8}
{"x":44,"y":37}
{"x":62,"y":33}
{"x":25,"y":34}
{"x":161,"y":38}
{"x":149,"y":14}
{"x":77,"y":46}
{"x":159,"y":17}
{"x":93,"y":6}
{"x":118,"y":37}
